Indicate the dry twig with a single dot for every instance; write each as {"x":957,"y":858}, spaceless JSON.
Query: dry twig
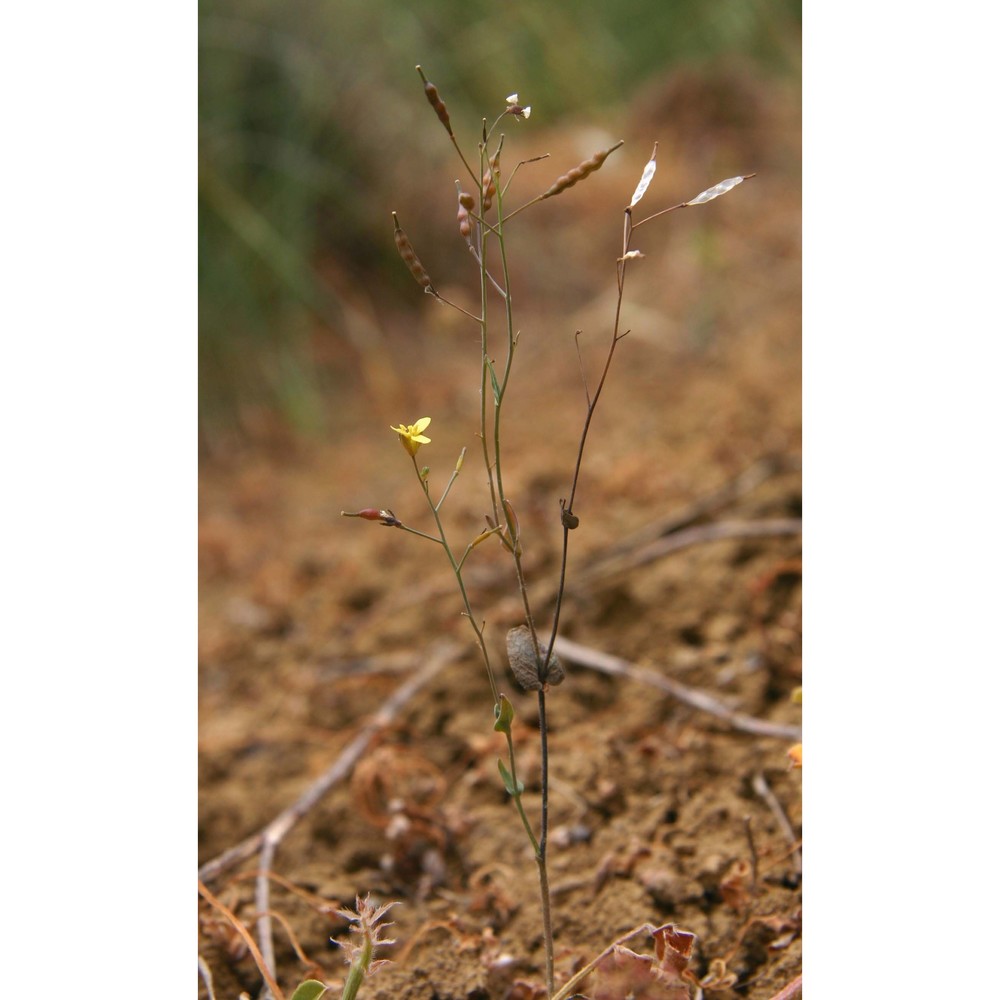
{"x":341,"y":767}
{"x":670,"y":525}
{"x":267,"y":840}
{"x":663,"y":546}
{"x":617,"y":667}
{"x":791,"y":991}
{"x":763,"y":789}
{"x":244,"y":934}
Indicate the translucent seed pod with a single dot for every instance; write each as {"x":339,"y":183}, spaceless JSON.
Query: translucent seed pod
{"x":713,"y":192}
{"x":644,"y":181}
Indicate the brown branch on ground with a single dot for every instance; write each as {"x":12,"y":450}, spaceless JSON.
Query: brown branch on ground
{"x":653,"y":541}
{"x":341,"y":767}
{"x":664,"y":546}
{"x":244,"y":934}
{"x":791,"y":991}
{"x":267,"y":840}
{"x":763,"y":789}
{"x":739,"y":486}
{"x":670,"y":525}
{"x":701,"y":700}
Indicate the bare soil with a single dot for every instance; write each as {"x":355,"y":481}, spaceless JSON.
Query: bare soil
{"x":310,"y":621}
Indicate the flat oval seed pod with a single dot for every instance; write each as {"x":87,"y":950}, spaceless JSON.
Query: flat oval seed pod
{"x":521,"y":655}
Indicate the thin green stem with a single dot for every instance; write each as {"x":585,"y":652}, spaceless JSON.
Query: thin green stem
{"x":656,"y":215}
{"x":419,"y":534}
{"x":356,"y":975}
{"x":455,"y":305}
{"x":616,"y":335}
{"x":457,"y":570}
{"x":461,"y":156}
{"x":514,"y":532}
{"x":451,"y":481}
{"x":516,"y":794}
{"x":484,"y":278}
{"x":508,"y":365}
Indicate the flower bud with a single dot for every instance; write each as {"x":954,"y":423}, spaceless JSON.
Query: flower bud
{"x":368,"y":513}
{"x":515,"y":108}
{"x":374,"y":514}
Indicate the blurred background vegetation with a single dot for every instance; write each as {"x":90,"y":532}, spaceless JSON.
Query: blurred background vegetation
{"x":313,"y":127}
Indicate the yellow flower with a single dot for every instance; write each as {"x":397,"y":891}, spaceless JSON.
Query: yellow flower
{"x":411,"y":436}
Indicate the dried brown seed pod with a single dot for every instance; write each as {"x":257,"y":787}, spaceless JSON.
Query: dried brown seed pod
{"x":410,"y":258}
{"x":578,"y":173}
{"x":434,"y":99}
{"x":490,"y":182}
{"x":570,"y":520}
{"x":524,"y":666}
{"x":465,"y":203}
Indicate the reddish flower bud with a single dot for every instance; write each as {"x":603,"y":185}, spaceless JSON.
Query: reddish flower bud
{"x":374,"y":514}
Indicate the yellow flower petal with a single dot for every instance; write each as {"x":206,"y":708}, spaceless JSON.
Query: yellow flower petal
{"x":411,"y":436}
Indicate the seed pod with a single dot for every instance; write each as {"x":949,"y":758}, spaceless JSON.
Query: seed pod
{"x":490,"y":183}
{"x":524,"y":666}
{"x":578,"y":173}
{"x":465,"y":203}
{"x":644,"y":181}
{"x":410,"y":259}
{"x":569,"y":520}
{"x":436,"y":103}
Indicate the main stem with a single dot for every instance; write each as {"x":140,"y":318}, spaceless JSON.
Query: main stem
{"x":543,"y":732}
{"x":543,"y":842}
{"x":502,"y":508}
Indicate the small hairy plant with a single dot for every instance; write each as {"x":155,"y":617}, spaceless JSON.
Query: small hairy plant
{"x":365,"y":921}
{"x":482,"y":217}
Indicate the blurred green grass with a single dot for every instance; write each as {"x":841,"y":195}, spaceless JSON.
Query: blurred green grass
{"x":312,"y":126}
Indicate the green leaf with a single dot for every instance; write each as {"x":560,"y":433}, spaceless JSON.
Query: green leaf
{"x":311,"y":989}
{"x":493,"y":379}
{"x":508,"y":780}
{"x":505,"y":715}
